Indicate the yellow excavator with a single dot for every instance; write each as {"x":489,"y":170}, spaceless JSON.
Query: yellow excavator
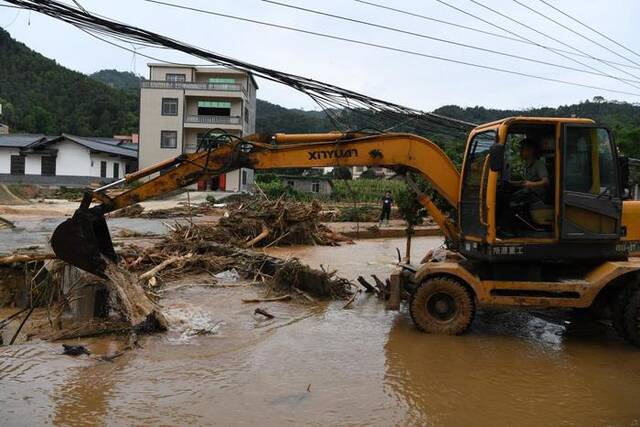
{"x":573,"y":248}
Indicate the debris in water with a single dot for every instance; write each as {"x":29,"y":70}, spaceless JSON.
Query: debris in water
{"x":263,"y":312}
{"x":228,"y":275}
{"x":5,"y":223}
{"x":75,"y":350}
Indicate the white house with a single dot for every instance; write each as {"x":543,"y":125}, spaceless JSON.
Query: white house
{"x":65,"y":159}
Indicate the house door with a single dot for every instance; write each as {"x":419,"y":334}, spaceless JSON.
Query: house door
{"x":591,"y":202}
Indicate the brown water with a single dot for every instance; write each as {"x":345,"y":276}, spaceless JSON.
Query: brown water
{"x":362,"y":366}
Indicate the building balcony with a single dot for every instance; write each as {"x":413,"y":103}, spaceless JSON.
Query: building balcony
{"x":219,"y":87}
{"x":212,"y":120}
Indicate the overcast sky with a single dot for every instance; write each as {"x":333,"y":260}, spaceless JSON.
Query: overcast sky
{"x":410,"y":80}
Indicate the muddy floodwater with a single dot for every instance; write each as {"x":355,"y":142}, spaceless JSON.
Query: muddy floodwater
{"x":327,"y":366}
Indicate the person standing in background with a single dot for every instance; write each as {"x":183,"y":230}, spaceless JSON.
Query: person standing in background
{"x":387,"y":201}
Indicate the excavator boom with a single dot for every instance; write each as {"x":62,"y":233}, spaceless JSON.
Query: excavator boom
{"x":84,"y":240}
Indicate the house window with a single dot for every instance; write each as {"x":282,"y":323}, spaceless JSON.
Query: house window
{"x":222,"y":80}
{"x":169,"y":106}
{"x":315,"y":187}
{"x":116,"y":170}
{"x":214,"y":108}
{"x":17,"y":165}
{"x":170,"y":77}
{"x":246,"y":115}
{"x":168,"y":139}
{"x":244,"y":177}
{"x":48,"y":165}
{"x":103,"y":169}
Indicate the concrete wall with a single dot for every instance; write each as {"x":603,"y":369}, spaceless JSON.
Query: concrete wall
{"x":73,"y":159}
{"x":160,"y":73}
{"x":68,"y":181}
{"x":5,"y":158}
{"x":97,"y":158}
{"x":152,"y":123}
{"x":306,"y":185}
{"x":234,"y":182}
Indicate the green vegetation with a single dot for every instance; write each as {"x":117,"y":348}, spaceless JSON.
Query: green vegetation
{"x":40,"y":96}
{"x":124,"y":80}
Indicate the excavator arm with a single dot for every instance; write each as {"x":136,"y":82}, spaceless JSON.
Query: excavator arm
{"x":84,"y":239}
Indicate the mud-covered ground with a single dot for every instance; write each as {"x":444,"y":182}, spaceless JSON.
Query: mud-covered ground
{"x":322,"y":365}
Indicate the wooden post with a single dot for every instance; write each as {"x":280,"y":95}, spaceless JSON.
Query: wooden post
{"x":407,"y":251}
{"x":395,"y":291}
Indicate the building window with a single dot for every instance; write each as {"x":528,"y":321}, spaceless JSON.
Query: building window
{"x":246,"y":115}
{"x":116,"y":170}
{"x":48,"y":165}
{"x":170,"y":77}
{"x":103,"y":169}
{"x":315,"y":187}
{"x":222,"y":80}
{"x":169,"y":106}
{"x":214,"y":108}
{"x":169,"y":139}
{"x":17,"y":165}
{"x":244,"y":177}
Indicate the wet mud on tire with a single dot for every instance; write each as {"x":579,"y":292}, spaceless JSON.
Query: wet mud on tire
{"x":442,"y":305}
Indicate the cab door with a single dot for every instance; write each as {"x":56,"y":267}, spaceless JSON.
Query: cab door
{"x":473,"y":210}
{"x":591,"y":205}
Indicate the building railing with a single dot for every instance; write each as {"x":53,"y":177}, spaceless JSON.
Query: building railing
{"x":215,"y":120}
{"x":162,"y":84}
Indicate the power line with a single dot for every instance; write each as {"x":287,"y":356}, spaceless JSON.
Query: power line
{"x":552,"y":38}
{"x":573,"y":31}
{"x":384,"y":47}
{"x":590,"y":28}
{"x":488,"y":33}
{"x":330,"y":97}
{"x":442,"y":40}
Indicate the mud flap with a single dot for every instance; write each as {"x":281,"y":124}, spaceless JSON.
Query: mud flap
{"x":83,"y":240}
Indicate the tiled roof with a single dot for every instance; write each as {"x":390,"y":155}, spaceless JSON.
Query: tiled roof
{"x":105,"y":145}
{"x":20,"y":140}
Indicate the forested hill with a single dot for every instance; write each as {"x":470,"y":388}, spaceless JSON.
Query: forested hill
{"x":41,"y":96}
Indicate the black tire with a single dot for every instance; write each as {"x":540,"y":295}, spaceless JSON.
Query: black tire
{"x":619,"y":309}
{"x":632,"y":318}
{"x":442,"y":305}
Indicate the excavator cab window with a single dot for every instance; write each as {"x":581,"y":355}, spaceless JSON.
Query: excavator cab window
{"x":473,"y":212}
{"x":524,"y":211}
{"x":591,"y":197}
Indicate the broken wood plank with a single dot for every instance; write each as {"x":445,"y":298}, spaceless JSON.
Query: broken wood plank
{"x":10,"y":259}
{"x":368,"y":286}
{"x":164,"y":264}
{"x":264,"y":313}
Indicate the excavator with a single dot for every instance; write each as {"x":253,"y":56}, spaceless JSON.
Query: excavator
{"x":574,"y":248}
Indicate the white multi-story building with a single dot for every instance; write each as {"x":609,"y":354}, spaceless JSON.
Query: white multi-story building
{"x":179,"y":104}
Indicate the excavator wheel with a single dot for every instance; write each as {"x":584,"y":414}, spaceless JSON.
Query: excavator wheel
{"x":619,"y":310}
{"x":442,"y":305}
{"x":632,"y":318}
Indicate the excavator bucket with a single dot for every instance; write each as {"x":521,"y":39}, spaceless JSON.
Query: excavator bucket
{"x":84,"y":240}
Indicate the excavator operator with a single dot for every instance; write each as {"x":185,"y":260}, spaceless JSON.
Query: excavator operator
{"x":533,"y":188}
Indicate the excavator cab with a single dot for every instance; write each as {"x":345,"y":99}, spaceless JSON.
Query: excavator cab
{"x":581,"y":202}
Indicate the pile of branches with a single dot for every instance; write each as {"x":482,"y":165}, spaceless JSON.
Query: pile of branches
{"x":138,"y":211}
{"x":266,"y":223}
{"x":176,"y":257}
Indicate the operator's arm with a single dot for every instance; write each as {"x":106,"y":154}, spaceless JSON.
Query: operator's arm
{"x":539,"y":171}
